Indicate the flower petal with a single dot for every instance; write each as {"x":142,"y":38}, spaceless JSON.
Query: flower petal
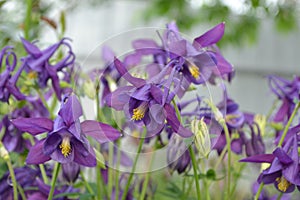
{"x":210,"y":37}
{"x":34,"y":126}
{"x":100,"y":131}
{"x":263,"y":158}
{"x":137,"y":82}
{"x":36,"y":154}
{"x":70,"y":110}
{"x":174,"y":122}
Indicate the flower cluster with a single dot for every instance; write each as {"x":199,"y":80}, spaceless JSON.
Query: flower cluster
{"x":143,"y":104}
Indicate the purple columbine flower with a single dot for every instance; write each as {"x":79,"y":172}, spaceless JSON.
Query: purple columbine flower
{"x":284,"y":170}
{"x":66,"y":140}
{"x":39,"y":61}
{"x":287,"y":91}
{"x":147,"y":102}
{"x":7,"y":80}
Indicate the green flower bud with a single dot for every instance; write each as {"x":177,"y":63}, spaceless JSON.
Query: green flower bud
{"x":3,"y":152}
{"x":89,"y":89}
{"x":202,"y":138}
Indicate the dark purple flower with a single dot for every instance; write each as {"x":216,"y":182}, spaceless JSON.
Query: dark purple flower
{"x":66,"y":140}
{"x":284,"y":169}
{"x":287,"y":91}
{"x":39,"y":61}
{"x":7,"y":80}
{"x":147,"y":102}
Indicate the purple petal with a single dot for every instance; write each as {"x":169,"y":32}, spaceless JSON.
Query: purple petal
{"x":59,"y":157}
{"x":137,"y":82}
{"x":263,"y":158}
{"x":36,"y":154}
{"x":118,"y":98}
{"x":83,"y":156}
{"x":282,"y":156}
{"x":158,"y":113}
{"x":31,"y":48}
{"x":210,"y":37}
{"x":174,"y":122}
{"x":100,"y":131}
{"x":146,"y":46}
{"x":107,"y":54}
{"x":71,"y":110}
{"x":51,"y":143}
{"x":34,"y":126}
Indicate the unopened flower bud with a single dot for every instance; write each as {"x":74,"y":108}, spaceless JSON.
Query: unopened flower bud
{"x":3,"y":152}
{"x":261,"y":121}
{"x":202,"y":139}
{"x":89,"y":89}
{"x":217,"y":113}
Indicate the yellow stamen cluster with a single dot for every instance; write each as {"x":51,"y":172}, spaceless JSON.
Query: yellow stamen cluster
{"x":283,"y":184}
{"x":231,"y":118}
{"x":194,"y":70}
{"x":32,"y":75}
{"x":138,"y":113}
{"x":65,"y":146}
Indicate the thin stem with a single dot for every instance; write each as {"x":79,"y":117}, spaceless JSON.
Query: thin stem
{"x":21,"y":191}
{"x":87,"y":185}
{"x":228,"y":145}
{"x":286,"y":128}
{"x":28,"y":19}
{"x":117,"y":169}
{"x":53,"y":182}
{"x":147,"y":178}
{"x":195,"y":169}
{"x":110,"y":168}
{"x":188,"y":190}
{"x":43,"y":172}
{"x":13,"y":178}
{"x":134,"y":165}
{"x":259,"y":191}
{"x":279,"y":196}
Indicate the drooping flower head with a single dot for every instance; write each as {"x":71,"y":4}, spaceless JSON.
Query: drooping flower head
{"x":8,"y":81}
{"x":39,"y":63}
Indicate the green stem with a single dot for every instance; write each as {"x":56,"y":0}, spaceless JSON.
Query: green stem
{"x":43,"y":172}
{"x":117,"y":169}
{"x":110,"y":168}
{"x":134,"y":165}
{"x":188,"y":190}
{"x":147,"y":178}
{"x":28,"y":19}
{"x":195,"y":169}
{"x":220,"y":158}
{"x":286,"y":128}
{"x":259,"y":191}
{"x":87,"y":185}
{"x":21,"y":191}
{"x":279,"y":196}
{"x":13,"y":178}
{"x":53,"y":182}
{"x":228,"y":145}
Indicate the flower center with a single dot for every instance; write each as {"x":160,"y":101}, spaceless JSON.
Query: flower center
{"x":139,"y":112}
{"x":283,"y":184}
{"x":194,"y":70}
{"x":65,"y":146}
{"x":32,"y":75}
